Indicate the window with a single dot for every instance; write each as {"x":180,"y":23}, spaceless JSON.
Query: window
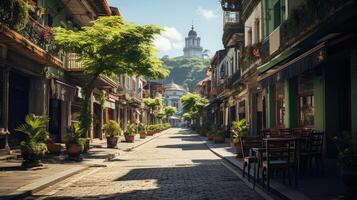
{"x":280,"y":105}
{"x":249,"y":42}
{"x":241,"y":110}
{"x":306,"y":101}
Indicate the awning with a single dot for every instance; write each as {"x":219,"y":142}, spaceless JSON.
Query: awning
{"x":306,"y":61}
{"x":62,"y":91}
{"x":278,"y":59}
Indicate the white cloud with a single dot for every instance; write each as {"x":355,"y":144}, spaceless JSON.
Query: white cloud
{"x":206,"y":13}
{"x":169,"y":39}
{"x":172,"y":33}
{"x":162,"y":43}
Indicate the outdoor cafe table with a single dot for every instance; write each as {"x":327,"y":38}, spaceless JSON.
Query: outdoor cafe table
{"x":259,"y":153}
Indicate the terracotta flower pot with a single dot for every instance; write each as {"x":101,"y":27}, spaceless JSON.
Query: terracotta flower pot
{"x":210,"y":137}
{"x":129,"y":138}
{"x":218,"y":139}
{"x":150,"y":133}
{"x":112,"y":142}
{"x":202,"y":133}
{"x":142,"y":135}
{"x":238,"y":150}
{"x":74,"y":150}
{"x":54,"y":148}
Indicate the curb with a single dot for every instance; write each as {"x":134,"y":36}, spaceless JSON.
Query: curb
{"x":146,"y":141}
{"x":43,"y":183}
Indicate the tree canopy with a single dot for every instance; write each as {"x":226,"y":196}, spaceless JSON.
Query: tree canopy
{"x":169,"y":111}
{"x":192,"y":104}
{"x":113,"y":46}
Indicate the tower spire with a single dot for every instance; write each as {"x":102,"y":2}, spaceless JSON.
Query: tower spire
{"x":192,"y":27}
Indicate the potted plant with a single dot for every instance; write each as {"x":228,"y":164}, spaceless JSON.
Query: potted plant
{"x":347,"y":160}
{"x":239,"y":128}
{"x":74,"y":142}
{"x":53,"y":148}
{"x":212,"y":132}
{"x":219,"y":136}
{"x":142,"y":131}
{"x":149,"y":130}
{"x":112,"y":132}
{"x":33,"y":147}
{"x":130,"y":132}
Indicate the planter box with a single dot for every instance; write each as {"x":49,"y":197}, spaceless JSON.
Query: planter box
{"x":218,"y":139}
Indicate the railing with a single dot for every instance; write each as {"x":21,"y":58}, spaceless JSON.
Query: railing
{"x":72,"y":62}
{"x":251,"y":55}
{"x":41,"y":36}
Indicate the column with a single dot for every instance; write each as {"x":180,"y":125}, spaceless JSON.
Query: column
{"x":290,"y":100}
{"x":5,"y":106}
{"x":354,"y":90}
{"x":319,"y":97}
{"x":270,"y":107}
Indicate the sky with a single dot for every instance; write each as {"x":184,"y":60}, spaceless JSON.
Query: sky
{"x":176,"y":17}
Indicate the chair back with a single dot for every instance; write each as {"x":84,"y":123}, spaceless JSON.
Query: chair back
{"x":316,"y":142}
{"x":286,"y":132}
{"x":271,"y":132}
{"x":248,"y":142}
{"x":283,"y":151}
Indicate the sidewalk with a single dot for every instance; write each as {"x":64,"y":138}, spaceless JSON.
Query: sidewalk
{"x":16,"y":182}
{"x":308,"y":188}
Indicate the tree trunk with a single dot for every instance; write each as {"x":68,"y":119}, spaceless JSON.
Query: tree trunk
{"x":85,"y":114}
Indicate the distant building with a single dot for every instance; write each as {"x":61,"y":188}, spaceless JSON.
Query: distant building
{"x":173,"y":93}
{"x":193,"y":45}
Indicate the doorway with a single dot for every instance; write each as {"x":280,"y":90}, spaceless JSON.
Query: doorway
{"x":18,"y":105}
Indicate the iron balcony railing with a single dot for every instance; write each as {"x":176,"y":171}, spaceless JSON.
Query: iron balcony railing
{"x":41,"y":36}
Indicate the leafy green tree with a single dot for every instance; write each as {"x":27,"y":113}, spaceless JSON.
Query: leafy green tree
{"x":153,"y":105}
{"x":169,"y":111}
{"x":192,"y":104}
{"x":110,"y":47}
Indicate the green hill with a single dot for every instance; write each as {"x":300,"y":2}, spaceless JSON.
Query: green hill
{"x":186,"y":71}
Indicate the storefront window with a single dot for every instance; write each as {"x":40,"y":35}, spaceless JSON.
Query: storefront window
{"x":306,"y":101}
{"x":280,"y":105}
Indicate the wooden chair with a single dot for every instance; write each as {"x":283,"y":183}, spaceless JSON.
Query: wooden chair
{"x":314,"y":150}
{"x":280,"y":155}
{"x":248,"y":142}
{"x":271,"y":132}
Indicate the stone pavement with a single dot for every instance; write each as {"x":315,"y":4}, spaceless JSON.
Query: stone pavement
{"x":15,"y":182}
{"x":176,"y":165}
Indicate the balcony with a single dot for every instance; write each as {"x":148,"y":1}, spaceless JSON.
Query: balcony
{"x":34,"y":41}
{"x":302,"y":23}
{"x":72,"y":62}
{"x":232,"y":26}
{"x":251,"y":56}
{"x":235,"y":78}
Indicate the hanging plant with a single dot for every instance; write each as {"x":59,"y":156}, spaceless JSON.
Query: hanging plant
{"x":14,"y":13}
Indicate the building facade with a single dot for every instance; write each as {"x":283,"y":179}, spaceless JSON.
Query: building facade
{"x":172,"y":95}
{"x":38,"y":78}
{"x":286,"y":67}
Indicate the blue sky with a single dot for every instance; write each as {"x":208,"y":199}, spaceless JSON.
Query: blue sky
{"x":176,"y":17}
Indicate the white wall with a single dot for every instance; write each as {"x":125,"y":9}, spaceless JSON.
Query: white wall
{"x":250,"y":23}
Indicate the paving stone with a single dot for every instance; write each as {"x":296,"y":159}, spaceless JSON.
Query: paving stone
{"x":176,"y":165}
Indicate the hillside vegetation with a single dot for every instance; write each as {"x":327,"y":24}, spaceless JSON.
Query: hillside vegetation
{"x":186,"y":71}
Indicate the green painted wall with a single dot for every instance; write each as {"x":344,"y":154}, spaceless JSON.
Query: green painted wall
{"x":290,"y":100}
{"x":271,"y":119}
{"x":319,"y":95}
{"x":354,"y":90}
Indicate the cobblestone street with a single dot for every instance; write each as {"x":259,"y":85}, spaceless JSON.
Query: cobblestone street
{"x":176,"y":165}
